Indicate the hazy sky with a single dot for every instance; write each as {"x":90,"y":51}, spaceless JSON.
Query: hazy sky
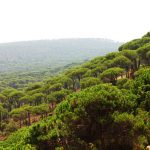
{"x":120,"y":20}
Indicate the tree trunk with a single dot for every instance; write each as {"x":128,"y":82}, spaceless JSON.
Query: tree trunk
{"x":135,"y":64}
{"x":29,"y":122}
{"x":73,"y":84}
{"x":139,"y":63}
{"x":0,"y":120}
{"x":20,"y":122}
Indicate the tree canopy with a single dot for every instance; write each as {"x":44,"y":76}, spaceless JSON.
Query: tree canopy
{"x":102,"y":104}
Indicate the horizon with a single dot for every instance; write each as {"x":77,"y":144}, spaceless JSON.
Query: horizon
{"x":30,"y":20}
{"x":76,"y":38}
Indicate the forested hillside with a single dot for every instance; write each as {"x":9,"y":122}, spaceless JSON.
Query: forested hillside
{"x":42,"y":54}
{"x":102,"y":104}
{"x":31,"y":61}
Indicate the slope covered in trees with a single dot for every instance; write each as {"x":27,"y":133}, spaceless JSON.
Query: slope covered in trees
{"x":31,"y":61}
{"x":102,"y":104}
{"x":36,"y":55}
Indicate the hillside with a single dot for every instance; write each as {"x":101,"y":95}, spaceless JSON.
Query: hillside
{"x":102,"y":104}
{"x":36,"y":55}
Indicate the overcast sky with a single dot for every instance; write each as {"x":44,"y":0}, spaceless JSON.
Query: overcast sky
{"x":120,"y":20}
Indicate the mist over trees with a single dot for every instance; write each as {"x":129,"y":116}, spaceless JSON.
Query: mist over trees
{"x":35,"y":55}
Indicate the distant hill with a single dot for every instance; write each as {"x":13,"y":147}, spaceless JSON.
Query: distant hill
{"x":35,"y":55}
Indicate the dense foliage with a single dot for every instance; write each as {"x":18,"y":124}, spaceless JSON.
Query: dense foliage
{"x":102,"y":104}
{"x":43,"y":54}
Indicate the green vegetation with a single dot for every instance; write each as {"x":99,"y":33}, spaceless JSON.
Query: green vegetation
{"x":102,"y":104}
{"x":52,"y":54}
{"x":33,"y":61}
